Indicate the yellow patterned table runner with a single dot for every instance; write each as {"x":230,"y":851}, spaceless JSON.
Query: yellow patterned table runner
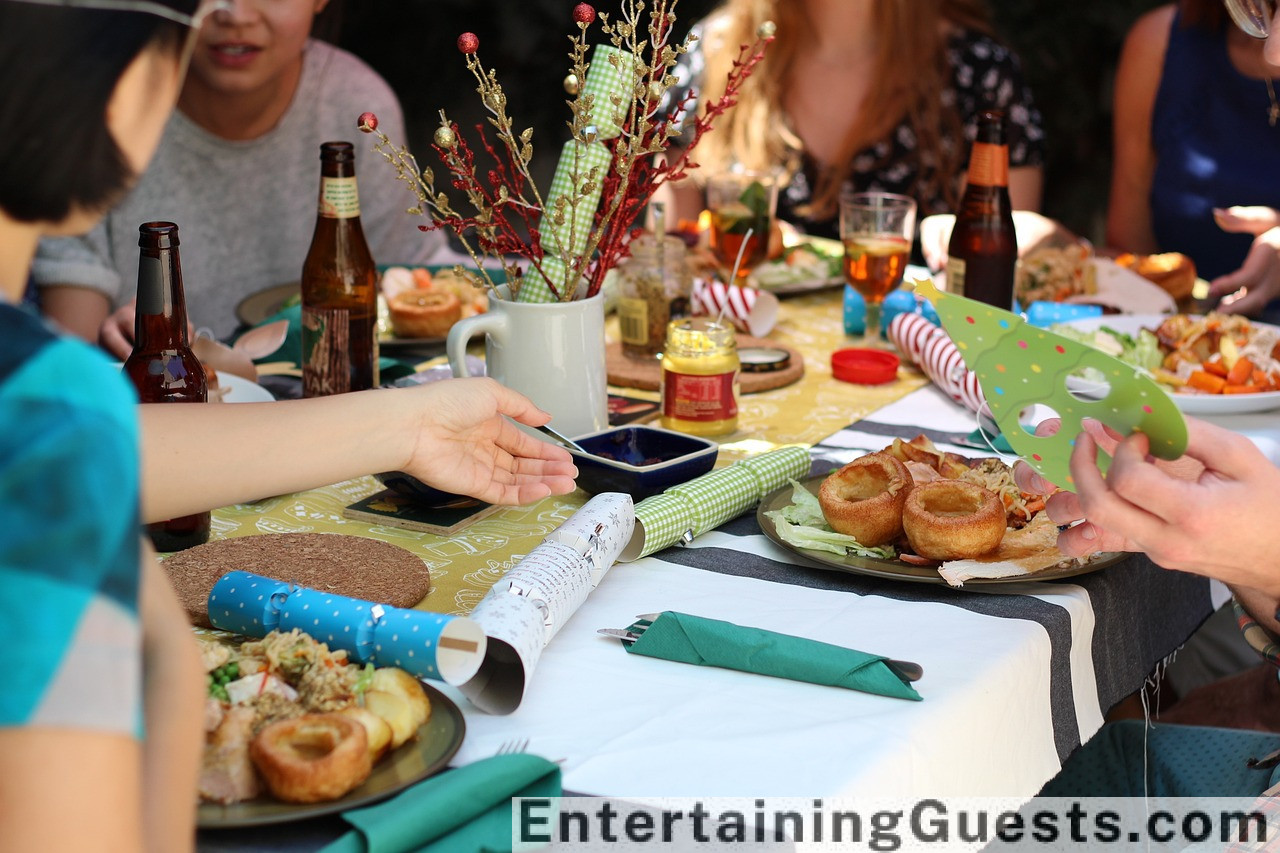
{"x":465,"y":565}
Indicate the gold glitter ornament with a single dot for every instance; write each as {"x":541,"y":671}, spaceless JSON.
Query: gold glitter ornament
{"x":445,"y":137}
{"x":571,"y":84}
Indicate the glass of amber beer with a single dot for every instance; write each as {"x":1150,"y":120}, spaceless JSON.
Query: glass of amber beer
{"x":742,"y":206}
{"x":876,"y":229}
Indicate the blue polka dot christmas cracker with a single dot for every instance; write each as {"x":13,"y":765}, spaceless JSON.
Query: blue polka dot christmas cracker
{"x":1019,"y":366}
{"x":428,"y":645}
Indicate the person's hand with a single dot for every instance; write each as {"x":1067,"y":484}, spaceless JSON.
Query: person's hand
{"x":465,"y":445}
{"x":1246,"y":219}
{"x":1207,"y":513}
{"x":115,"y":335}
{"x":1033,"y":230}
{"x":1257,"y":282}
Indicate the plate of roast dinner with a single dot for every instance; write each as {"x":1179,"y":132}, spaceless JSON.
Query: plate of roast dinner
{"x":294,"y":730}
{"x":911,"y":512}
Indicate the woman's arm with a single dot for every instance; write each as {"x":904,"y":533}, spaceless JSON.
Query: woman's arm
{"x":1026,"y":187}
{"x":70,"y":789}
{"x":1137,"y":80}
{"x":453,"y":435}
{"x":173,"y":698}
{"x":79,"y":310}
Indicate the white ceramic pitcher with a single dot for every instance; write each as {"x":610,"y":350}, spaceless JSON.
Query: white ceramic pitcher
{"x":553,"y":353}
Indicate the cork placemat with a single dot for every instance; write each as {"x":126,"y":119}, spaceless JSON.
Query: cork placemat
{"x":346,"y":565}
{"x":647,"y":374}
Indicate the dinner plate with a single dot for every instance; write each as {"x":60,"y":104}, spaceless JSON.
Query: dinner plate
{"x":895,"y":569}
{"x":256,"y":307}
{"x":437,"y":742}
{"x":1192,"y":404}
{"x":1125,"y":291}
{"x":780,"y":279}
{"x":241,"y":390}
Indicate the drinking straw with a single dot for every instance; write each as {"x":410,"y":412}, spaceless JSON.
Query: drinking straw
{"x":733,"y":275}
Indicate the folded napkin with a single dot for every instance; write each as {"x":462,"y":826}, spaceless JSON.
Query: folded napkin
{"x":710,"y":642}
{"x":704,"y":503}
{"x":467,"y":809}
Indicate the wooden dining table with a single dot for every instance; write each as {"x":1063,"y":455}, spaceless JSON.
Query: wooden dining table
{"x":1016,"y":674}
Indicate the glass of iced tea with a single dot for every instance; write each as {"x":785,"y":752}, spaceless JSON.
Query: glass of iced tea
{"x":876,"y":229}
{"x":742,"y":206}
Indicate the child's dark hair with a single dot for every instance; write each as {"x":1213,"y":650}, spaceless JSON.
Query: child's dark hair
{"x":61,"y":65}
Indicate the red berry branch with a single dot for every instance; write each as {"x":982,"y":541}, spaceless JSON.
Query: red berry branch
{"x":511,"y":219}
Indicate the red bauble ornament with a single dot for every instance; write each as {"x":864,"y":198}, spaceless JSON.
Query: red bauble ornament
{"x":368,"y":122}
{"x":468,"y":42}
{"x":584,"y":13}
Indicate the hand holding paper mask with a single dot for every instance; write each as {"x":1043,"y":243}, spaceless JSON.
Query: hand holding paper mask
{"x":1019,"y":366}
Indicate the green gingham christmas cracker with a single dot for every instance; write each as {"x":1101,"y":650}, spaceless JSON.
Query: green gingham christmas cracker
{"x":533,"y":287}
{"x":605,"y":82}
{"x":569,"y":238}
{"x":708,"y":501}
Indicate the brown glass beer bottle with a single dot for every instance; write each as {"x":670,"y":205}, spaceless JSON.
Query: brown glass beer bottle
{"x":162,"y":366}
{"x":984,"y":246}
{"x":339,"y":286}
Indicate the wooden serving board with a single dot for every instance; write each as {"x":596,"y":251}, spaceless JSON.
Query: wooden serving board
{"x":647,"y":374}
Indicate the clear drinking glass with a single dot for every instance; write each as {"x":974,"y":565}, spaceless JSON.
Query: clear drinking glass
{"x":876,"y":229}
{"x":742,"y":206}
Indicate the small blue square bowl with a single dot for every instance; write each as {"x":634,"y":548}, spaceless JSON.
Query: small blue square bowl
{"x":641,"y":460}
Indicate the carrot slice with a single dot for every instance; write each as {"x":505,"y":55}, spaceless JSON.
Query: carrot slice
{"x":1240,"y":371}
{"x":1217,"y":368}
{"x":1203,"y":381}
{"x":1243,"y":389}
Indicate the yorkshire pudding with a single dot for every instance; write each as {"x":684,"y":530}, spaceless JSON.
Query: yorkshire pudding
{"x":312,"y":758}
{"x":953,"y":520}
{"x":423,"y":314}
{"x":864,"y":499}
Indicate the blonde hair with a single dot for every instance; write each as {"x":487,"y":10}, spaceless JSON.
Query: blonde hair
{"x":908,"y":73}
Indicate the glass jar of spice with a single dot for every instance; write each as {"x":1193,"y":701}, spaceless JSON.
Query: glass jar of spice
{"x":654,"y":288}
{"x":700,"y":377}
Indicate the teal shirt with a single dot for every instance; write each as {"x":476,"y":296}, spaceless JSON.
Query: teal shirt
{"x":69,"y":533}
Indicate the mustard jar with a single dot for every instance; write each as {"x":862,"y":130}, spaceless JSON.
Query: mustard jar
{"x":654,"y":287}
{"x":700,"y":377}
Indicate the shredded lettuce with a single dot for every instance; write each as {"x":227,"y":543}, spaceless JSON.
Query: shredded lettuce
{"x":1141,"y":350}
{"x":802,"y":524}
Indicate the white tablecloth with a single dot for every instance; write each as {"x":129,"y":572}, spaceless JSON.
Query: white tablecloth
{"x":1016,"y":676}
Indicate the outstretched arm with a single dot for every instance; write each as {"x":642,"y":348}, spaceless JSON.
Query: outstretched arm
{"x":453,"y":435}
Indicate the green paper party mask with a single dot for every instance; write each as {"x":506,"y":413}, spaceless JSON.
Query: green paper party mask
{"x":1019,"y":365}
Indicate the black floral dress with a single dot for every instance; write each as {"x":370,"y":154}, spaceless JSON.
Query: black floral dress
{"x":985,"y":74}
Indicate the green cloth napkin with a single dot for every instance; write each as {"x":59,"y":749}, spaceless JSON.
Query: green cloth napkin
{"x":710,"y":642}
{"x":706,"y":502}
{"x":467,"y":809}
{"x":982,"y":438}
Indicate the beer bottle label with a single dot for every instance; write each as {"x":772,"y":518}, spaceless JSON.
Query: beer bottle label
{"x":325,"y":347}
{"x":955,"y":275}
{"x":989,"y":165}
{"x":339,"y":198}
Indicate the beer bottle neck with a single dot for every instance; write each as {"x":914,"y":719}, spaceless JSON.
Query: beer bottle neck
{"x":161,"y":318}
{"x":339,"y":194}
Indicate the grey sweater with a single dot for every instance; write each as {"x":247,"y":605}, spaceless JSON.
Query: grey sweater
{"x":246,"y":209}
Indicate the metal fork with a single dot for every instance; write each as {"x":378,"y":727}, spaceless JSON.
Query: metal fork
{"x":512,"y":747}
{"x":904,"y":669}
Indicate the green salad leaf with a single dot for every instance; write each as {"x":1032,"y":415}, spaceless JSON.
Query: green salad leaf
{"x":1140,"y":350}
{"x":802,"y":524}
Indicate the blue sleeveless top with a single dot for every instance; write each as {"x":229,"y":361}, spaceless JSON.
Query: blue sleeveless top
{"x":1214,"y":148}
